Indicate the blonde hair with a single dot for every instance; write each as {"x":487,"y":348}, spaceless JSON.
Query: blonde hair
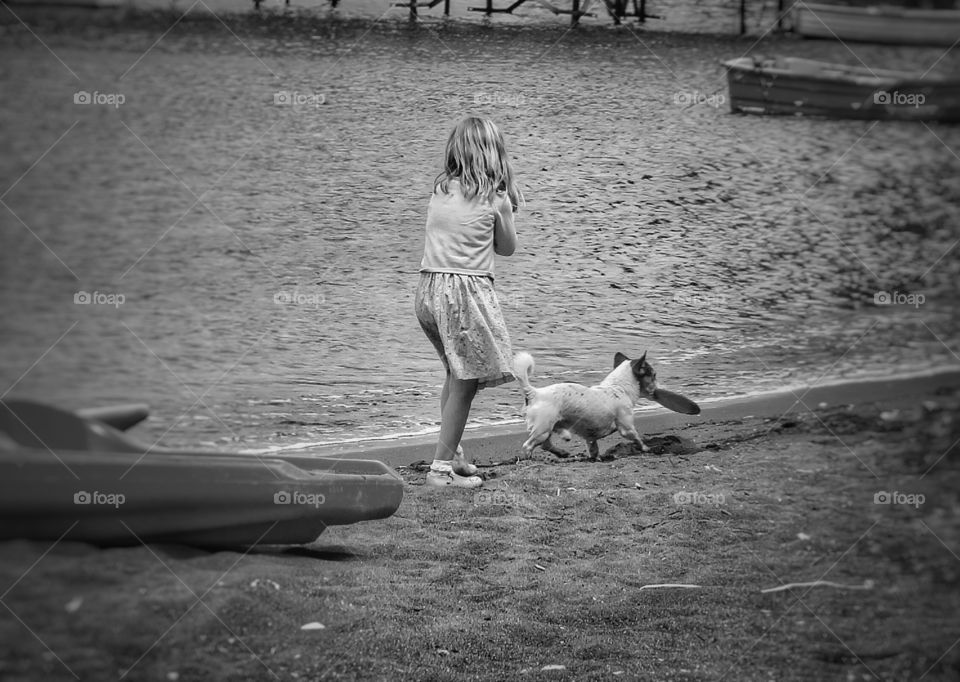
{"x":477,"y":156}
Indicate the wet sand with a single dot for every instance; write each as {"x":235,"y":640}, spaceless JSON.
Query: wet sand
{"x":552,"y":563}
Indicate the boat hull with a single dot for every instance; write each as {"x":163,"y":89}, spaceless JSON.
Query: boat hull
{"x":213,"y":500}
{"x":64,"y":476}
{"x":892,"y":25}
{"x":807,"y":88}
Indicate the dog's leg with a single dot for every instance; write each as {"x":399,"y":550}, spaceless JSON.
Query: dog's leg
{"x":594,"y":450}
{"x":539,"y":430}
{"x":540,"y":423}
{"x":632,"y":435}
{"x":533,"y":441}
{"x":627,"y":429}
{"x":550,"y":446}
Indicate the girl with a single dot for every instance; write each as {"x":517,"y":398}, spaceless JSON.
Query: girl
{"x":470,"y":218}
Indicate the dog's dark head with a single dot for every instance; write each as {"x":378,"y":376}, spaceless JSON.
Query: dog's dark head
{"x":643,"y":372}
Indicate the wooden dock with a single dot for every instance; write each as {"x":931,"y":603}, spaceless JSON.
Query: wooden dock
{"x":617,"y":9}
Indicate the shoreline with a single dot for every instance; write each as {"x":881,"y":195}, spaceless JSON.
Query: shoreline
{"x":485,"y":444}
{"x":680,"y":564}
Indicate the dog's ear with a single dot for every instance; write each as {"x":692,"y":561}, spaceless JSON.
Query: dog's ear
{"x":641,"y":368}
{"x":619,"y":359}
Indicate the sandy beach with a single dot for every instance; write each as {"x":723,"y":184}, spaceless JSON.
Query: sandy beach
{"x":675,"y":565}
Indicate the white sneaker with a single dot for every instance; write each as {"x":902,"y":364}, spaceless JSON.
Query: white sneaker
{"x":461,"y":465}
{"x":441,"y":479}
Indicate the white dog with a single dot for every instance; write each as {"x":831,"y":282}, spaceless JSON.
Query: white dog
{"x":592,"y":412}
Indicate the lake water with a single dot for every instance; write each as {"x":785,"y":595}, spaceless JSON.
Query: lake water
{"x":266,"y":253}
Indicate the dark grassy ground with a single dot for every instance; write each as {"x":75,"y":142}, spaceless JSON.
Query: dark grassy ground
{"x":548,"y":566}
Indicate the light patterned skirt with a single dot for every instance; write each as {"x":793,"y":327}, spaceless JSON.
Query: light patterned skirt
{"x":460,"y":314}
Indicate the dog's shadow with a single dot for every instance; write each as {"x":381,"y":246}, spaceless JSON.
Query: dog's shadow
{"x":659,"y":445}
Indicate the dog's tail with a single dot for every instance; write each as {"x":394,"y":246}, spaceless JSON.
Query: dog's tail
{"x":523,"y":367}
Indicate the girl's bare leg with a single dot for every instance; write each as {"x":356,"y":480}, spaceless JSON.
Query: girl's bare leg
{"x":445,"y":393}
{"x":455,"y":400}
{"x":460,"y":464}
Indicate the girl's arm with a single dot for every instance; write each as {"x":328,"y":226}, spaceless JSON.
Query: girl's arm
{"x":504,"y":234}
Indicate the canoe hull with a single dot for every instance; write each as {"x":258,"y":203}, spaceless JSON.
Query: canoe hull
{"x":891,"y":25}
{"x":193,"y":498}
{"x":75,"y":477}
{"x":755,"y":89}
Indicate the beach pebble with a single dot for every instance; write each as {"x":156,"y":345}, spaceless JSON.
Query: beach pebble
{"x":73,"y":605}
{"x":553,"y":666}
{"x":313,"y":626}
